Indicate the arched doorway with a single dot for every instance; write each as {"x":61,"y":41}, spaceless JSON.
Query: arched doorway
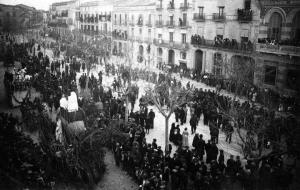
{"x":171,"y":59}
{"x":198,"y":61}
{"x":274,"y":28}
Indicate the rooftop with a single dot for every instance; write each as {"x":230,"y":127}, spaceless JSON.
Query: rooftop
{"x":134,"y":3}
{"x":96,"y":3}
{"x":63,"y":3}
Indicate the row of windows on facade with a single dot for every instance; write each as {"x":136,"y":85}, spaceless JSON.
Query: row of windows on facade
{"x":140,"y":18}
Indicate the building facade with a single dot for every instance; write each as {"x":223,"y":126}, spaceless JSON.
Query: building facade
{"x":278,"y":46}
{"x":95,"y":19}
{"x":63,"y":16}
{"x":134,"y":30}
{"x":173,"y":29}
{"x":203,"y":36}
{"x":16,"y":18}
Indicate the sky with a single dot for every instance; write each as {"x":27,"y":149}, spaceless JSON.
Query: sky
{"x":38,"y":4}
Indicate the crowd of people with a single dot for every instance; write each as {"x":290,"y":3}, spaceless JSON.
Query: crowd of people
{"x":200,"y":165}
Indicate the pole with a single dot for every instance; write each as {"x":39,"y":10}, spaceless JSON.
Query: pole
{"x":167,"y":134}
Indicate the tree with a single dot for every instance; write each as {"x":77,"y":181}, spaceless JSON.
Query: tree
{"x":166,"y":99}
{"x":251,"y":127}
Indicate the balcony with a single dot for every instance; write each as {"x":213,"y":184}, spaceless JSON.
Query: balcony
{"x":149,"y":24}
{"x":199,"y":17}
{"x":184,"y":6}
{"x":140,"y":23}
{"x":171,"y":7}
{"x":217,"y":17}
{"x":131,"y":23}
{"x":244,"y":15}
{"x":170,"y":24}
{"x":168,"y":44}
{"x":223,"y":44}
{"x":159,"y":24}
{"x":148,"y":40}
{"x":159,"y":8}
{"x":183,"y":24}
{"x":280,"y":49}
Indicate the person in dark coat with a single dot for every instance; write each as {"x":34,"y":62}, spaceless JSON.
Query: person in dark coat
{"x":151,"y":118}
{"x":208,"y":152}
{"x":193,"y":123}
{"x":214,"y":151}
{"x":172,"y":132}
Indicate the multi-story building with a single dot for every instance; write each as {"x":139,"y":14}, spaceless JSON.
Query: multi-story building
{"x":223,"y":31}
{"x":15,"y":18}
{"x":134,"y":29}
{"x":278,"y":47}
{"x":173,"y":32}
{"x":95,"y":18}
{"x":201,"y":35}
{"x":62,"y":16}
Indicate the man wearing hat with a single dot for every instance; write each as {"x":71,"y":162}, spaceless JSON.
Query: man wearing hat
{"x":151,"y":116}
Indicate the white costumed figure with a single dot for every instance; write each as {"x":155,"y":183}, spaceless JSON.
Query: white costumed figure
{"x":72,"y":102}
{"x":58,"y":131}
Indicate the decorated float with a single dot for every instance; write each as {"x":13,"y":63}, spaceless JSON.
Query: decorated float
{"x":18,"y":85}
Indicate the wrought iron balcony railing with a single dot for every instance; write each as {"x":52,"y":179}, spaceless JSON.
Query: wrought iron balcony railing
{"x":185,"y":6}
{"x":159,"y":24}
{"x":218,"y":17}
{"x":199,"y":17}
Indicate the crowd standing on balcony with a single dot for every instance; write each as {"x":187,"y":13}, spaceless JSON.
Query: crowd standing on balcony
{"x":219,"y":42}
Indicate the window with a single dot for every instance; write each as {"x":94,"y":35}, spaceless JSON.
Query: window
{"x":160,"y":18}
{"x":149,"y":19}
{"x":171,"y":36}
{"x":171,"y":20}
{"x":183,"y":55}
{"x":184,"y":16}
{"x":200,"y":10}
{"x":221,"y":11}
{"x":270,"y":75}
{"x":0,"y":22}
{"x":14,"y":14}
{"x":274,"y":30}
{"x":159,"y":36}
{"x":160,"y":51}
{"x":149,"y":33}
{"x":132,"y":31}
{"x":247,"y":4}
{"x":217,"y":69}
{"x":141,"y":31}
{"x":7,"y":14}
{"x":183,"y":38}
{"x":120,"y":21}
{"x":296,"y":27}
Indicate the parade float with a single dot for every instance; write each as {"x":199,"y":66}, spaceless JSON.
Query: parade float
{"x":18,"y":85}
